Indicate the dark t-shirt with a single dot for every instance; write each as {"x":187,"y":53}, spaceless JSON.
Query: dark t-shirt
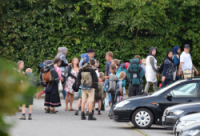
{"x":107,"y":69}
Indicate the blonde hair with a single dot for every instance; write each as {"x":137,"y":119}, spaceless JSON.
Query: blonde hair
{"x":19,"y":62}
{"x":116,"y":62}
{"x":29,"y":70}
{"x":110,"y":54}
{"x":101,"y":75}
{"x":122,"y":74}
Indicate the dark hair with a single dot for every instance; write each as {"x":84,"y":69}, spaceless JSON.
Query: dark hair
{"x":92,"y":62}
{"x":56,"y":60}
{"x":90,"y":50}
{"x":138,"y":57}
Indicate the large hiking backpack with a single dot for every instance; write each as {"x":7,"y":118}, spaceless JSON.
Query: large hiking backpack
{"x":112,"y":83}
{"x":133,"y":72}
{"x":46,"y":74}
{"x":86,"y":79}
{"x":99,"y":91}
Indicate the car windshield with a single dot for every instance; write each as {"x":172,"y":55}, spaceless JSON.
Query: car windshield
{"x":161,"y":90}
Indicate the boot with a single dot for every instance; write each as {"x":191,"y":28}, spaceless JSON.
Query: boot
{"x":29,"y":117}
{"x":90,"y":117}
{"x":83,"y":116}
{"x":76,"y":112}
{"x":87,"y":112}
{"x":23,"y":117}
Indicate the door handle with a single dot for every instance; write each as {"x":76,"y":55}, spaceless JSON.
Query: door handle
{"x":189,"y":101}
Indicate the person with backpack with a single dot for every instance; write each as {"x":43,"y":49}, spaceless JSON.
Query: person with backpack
{"x":88,"y":80}
{"x":28,"y":97}
{"x":51,"y":74}
{"x":86,"y":57}
{"x":151,"y":70}
{"x":186,"y":66}
{"x":135,"y":75}
{"x":62,"y":52}
{"x":71,"y":77}
{"x":176,"y":58}
{"x":167,"y":74}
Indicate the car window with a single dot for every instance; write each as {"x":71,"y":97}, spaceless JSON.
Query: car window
{"x":186,"y":90}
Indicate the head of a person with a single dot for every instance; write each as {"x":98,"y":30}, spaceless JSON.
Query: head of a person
{"x":176,"y":50}
{"x":116,"y":63}
{"x":29,"y":70}
{"x":101,"y":76}
{"x":91,"y":53}
{"x":97,"y":63}
{"x":92,"y":62}
{"x":186,"y":48}
{"x":57,"y":61}
{"x":20,"y":65}
{"x":75,"y":62}
{"x":109,"y":56}
{"x":169,"y":54}
{"x":113,"y":69}
{"x":152,"y":51}
{"x":122,"y":75}
{"x":138,"y":57}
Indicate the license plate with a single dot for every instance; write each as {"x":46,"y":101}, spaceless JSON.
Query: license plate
{"x":163,"y":118}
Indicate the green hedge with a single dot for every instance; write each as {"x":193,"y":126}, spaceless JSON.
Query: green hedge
{"x":32,"y":30}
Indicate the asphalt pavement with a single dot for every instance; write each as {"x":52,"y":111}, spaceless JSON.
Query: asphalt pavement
{"x":65,"y":123}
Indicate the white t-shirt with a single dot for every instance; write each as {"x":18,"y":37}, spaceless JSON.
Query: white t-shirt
{"x":97,"y":72}
{"x":187,"y":61}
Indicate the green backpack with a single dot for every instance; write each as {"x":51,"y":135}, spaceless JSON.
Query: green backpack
{"x":99,"y":91}
{"x":135,"y":72}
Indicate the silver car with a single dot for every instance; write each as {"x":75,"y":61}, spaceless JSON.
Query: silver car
{"x":186,"y":121}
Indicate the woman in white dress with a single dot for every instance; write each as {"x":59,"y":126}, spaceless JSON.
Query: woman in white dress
{"x":70,"y":81}
{"x":151,"y":70}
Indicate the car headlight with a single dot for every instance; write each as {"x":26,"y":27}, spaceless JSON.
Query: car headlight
{"x":190,"y":132}
{"x":178,"y":112}
{"x":187,"y":122}
{"x":121,"y":104}
{"x":166,"y":112}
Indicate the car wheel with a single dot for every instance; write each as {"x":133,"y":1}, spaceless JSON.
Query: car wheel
{"x":142,"y":118}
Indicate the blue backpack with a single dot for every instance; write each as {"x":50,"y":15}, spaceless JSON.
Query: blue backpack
{"x":135,"y":72}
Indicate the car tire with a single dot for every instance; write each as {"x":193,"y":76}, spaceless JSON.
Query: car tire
{"x":142,"y":118}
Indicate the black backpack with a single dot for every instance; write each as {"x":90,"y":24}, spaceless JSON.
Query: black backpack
{"x":161,"y":67}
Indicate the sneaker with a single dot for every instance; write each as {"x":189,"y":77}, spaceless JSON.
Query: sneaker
{"x":99,"y":113}
{"x":29,"y":117}
{"x":76,"y":112}
{"x":23,"y":117}
{"x":87,"y":112}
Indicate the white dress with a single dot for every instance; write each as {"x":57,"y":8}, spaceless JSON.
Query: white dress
{"x":150,"y":73}
{"x":70,"y":82}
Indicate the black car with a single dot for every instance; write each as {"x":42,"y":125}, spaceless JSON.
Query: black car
{"x":172,"y":114}
{"x":191,"y":130}
{"x":143,"y":111}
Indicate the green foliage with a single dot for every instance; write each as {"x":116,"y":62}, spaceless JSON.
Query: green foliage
{"x":12,"y":92}
{"x":32,"y":30}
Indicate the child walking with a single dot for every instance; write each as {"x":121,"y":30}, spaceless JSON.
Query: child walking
{"x":28,"y":97}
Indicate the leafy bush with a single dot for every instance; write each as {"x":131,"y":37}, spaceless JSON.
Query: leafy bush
{"x":32,"y":30}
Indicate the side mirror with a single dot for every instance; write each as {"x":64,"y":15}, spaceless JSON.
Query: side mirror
{"x":169,"y":96}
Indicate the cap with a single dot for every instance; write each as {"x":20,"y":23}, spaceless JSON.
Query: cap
{"x":90,"y":50}
{"x":186,"y":46}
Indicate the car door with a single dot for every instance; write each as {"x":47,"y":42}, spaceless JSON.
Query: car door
{"x":185,"y":92}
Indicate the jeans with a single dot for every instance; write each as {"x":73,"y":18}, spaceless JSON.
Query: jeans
{"x":134,"y":90}
{"x":166,"y":82}
{"x":64,"y":93}
{"x":114,"y":100}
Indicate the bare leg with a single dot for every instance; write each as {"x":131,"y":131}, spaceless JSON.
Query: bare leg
{"x":83,"y":106}
{"x":23,"y":109}
{"x":71,"y":100}
{"x":87,"y":105}
{"x":66,"y":101}
{"x":90,"y":106}
{"x":93,"y":104}
{"x":99,"y":104}
{"x":30,"y":109}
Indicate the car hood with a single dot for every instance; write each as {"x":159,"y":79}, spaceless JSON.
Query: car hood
{"x":185,"y":106}
{"x":192,"y":127}
{"x":140,"y":98}
{"x":195,"y":116}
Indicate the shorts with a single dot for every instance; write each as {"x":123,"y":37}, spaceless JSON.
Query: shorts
{"x":79,"y":93}
{"x":88,"y":94}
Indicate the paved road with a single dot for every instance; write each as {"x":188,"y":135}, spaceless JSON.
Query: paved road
{"x":65,"y":123}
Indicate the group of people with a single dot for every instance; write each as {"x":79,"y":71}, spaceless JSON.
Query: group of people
{"x":93,"y":86}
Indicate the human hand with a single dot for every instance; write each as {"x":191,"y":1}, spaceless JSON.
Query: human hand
{"x":163,"y":78}
{"x":178,"y":73}
{"x":197,"y":72}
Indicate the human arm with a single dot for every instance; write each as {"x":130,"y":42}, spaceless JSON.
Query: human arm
{"x":164,"y":72}
{"x":179,"y":70}
{"x":152,"y":64}
{"x":81,"y":63}
{"x":63,"y":64}
{"x":197,"y":72}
